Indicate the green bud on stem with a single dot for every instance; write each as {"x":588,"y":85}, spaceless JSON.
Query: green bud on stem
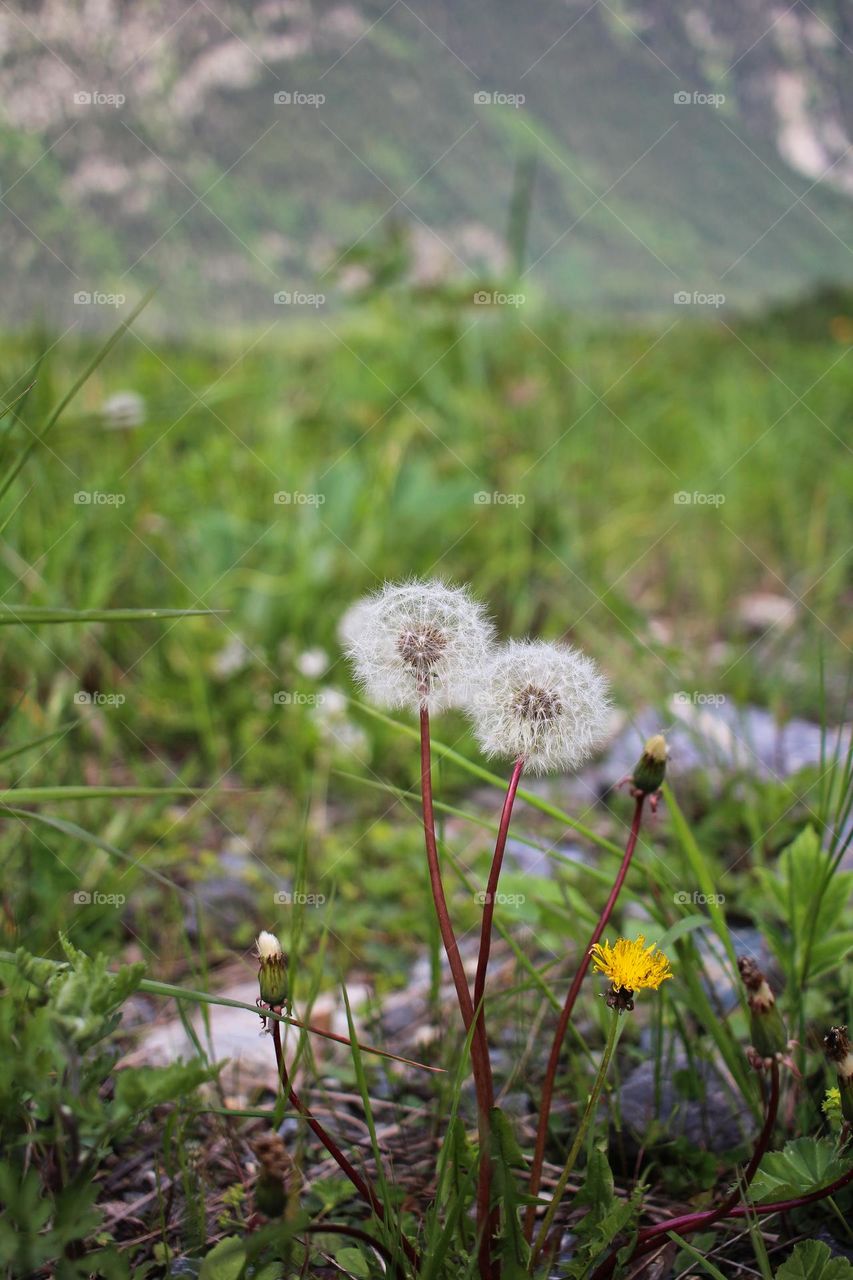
{"x":272,"y":974}
{"x":650,"y":769}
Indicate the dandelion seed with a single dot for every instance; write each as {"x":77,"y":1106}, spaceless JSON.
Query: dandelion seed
{"x":631,"y":967}
{"x":417,"y":644}
{"x":544,"y":703}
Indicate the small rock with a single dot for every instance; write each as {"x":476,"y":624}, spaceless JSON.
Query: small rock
{"x":718,"y":1122}
{"x":761,"y":610}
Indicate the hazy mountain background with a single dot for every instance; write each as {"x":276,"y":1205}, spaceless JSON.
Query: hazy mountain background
{"x":603,"y":188}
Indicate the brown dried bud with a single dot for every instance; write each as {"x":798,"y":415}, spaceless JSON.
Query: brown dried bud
{"x":274,"y":1175}
{"x":836,"y":1046}
{"x":768,"y":1032}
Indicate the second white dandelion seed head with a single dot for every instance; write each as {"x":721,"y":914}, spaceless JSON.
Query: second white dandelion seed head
{"x":544,"y":703}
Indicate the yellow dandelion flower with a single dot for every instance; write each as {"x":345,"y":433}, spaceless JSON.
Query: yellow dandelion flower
{"x":630,"y":966}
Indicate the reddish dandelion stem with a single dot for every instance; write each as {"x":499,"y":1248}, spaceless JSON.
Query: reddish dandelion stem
{"x":480,"y":1063}
{"x":492,"y":889}
{"x":362,"y":1186}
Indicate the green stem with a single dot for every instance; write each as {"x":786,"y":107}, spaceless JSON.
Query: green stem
{"x":586,"y":1118}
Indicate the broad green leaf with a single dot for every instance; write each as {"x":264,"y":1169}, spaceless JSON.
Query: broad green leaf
{"x":353,"y":1261}
{"x":225,"y":1260}
{"x":812,"y":1260}
{"x":804,"y":1165}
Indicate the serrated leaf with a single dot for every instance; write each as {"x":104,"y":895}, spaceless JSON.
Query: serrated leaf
{"x":140,"y":1088}
{"x":812,"y":1260}
{"x":607,"y":1218}
{"x":804,"y":1165}
{"x":507,"y":1156}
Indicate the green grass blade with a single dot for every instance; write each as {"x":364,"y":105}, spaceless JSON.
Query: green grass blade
{"x":76,"y":385}
{"x":17,"y":615}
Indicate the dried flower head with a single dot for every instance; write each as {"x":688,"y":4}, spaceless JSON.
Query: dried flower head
{"x":630,"y":966}
{"x":416,"y":644}
{"x":275,"y":1173}
{"x":544,"y":703}
{"x":836,"y":1046}
{"x":766,"y":1028}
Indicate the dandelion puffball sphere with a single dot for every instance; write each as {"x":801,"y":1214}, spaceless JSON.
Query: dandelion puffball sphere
{"x":544,"y":703}
{"x":416,"y":644}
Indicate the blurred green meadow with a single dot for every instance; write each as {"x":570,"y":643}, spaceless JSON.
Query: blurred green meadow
{"x":625,"y":488}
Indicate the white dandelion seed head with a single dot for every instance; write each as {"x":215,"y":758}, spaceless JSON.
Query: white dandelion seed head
{"x":417,"y":643}
{"x":545,"y":703}
{"x":269,"y":947}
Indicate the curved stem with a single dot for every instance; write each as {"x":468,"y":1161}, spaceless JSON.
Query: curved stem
{"x":362,"y":1186}
{"x":695,"y":1221}
{"x":565,"y":1017}
{"x":342,"y":1229}
{"x":647,"y":1240}
{"x":713,"y":1215}
{"x":480,"y":1063}
{"x":571,"y":1159}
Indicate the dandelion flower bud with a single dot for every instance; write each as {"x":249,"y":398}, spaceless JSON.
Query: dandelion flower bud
{"x":836,"y":1046}
{"x":544,"y":703}
{"x":416,"y":644}
{"x":650,"y":769}
{"x":766,"y":1028}
{"x":274,"y":1174}
{"x":631,"y":967}
{"x":272,"y":971}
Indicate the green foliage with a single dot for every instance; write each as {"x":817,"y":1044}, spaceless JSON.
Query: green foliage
{"x":812,"y":1260}
{"x":607,"y":1217}
{"x":806,"y":924}
{"x":508,"y":1160}
{"x":802,"y":1166}
{"x":57,"y":1118}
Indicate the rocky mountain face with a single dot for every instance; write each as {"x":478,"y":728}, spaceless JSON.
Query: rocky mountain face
{"x":616,"y":154}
